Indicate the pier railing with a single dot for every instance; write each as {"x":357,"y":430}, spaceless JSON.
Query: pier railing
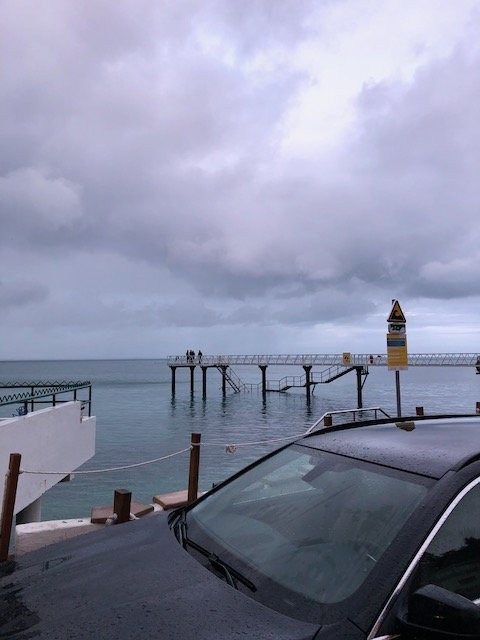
{"x":329,"y":359}
{"x":28,"y":394}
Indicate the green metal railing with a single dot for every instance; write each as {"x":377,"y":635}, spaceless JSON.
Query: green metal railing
{"x":28,"y":394}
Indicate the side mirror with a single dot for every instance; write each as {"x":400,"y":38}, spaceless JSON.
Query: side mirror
{"x":433,"y":613}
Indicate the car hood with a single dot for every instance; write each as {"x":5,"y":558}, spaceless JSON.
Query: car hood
{"x":130,"y":581}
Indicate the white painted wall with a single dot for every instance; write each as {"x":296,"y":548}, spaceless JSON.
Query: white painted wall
{"x":53,"y":439}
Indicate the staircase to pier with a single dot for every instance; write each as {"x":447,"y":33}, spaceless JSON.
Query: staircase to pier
{"x":316,"y":377}
{"x":287,"y":382}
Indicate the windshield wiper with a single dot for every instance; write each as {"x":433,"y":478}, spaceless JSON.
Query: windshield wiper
{"x":231,"y":574}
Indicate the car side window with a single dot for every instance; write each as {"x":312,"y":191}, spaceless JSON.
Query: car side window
{"x":452,"y":559}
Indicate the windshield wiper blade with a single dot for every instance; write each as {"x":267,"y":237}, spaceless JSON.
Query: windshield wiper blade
{"x":229,"y":572}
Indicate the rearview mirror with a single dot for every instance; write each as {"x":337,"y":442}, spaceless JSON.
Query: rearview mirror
{"x":433,"y":613}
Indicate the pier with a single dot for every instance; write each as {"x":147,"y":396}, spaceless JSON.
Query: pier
{"x":335,"y":365}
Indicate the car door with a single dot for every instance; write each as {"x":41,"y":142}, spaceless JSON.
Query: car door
{"x":449,"y":558}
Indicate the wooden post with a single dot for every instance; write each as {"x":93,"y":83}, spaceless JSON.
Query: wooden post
{"x":194,"y":467}
{"x":327,"y":421}
{"x":121,"y":505}
{"x":9,"y":495}
{"x":419,"y":411}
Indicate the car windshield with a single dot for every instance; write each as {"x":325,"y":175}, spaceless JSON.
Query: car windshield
{"x":306,"y":525}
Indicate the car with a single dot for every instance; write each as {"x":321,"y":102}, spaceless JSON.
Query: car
{"x":360,"y":531}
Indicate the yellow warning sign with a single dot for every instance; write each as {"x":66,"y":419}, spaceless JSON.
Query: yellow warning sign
{"x":397,"y":355}
{"x":346,"y":358}
{"x":396,"y":314}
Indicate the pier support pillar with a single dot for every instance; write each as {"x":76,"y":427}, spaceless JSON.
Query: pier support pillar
{"x":204,"y":382}
{"x":224,"y":378}
{"x":192,"y":379}
{"x":173,"y":370}
{"x":359,"y":371}
{"x":263,"y":369}
{"x":307,"y":368}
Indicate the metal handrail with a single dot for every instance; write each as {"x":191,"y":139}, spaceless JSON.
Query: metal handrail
{"x":414,"y":359}
{"x":37,"y":391}
{"x":341,"y":411}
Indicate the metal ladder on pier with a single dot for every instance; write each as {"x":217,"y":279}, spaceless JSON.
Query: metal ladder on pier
{"x":232,"y":378}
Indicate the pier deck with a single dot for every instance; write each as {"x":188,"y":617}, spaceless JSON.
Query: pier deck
{"x":328,"y":359}
{"x":335,"y":365}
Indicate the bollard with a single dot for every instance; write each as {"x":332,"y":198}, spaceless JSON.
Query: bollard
{"x":419,"y":411}
{"x":9,"y":495}
{"x":327,"y":421}
{"x":194,"y":467}
{"x":477,"y":408}
{"x":121,"y":505}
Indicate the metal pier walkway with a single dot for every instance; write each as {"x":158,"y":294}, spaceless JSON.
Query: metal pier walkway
{"x":329,"y":359}
{"x":334,"y":366}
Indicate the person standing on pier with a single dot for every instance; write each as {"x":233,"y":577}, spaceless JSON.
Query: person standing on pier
{"x":200,"y":354}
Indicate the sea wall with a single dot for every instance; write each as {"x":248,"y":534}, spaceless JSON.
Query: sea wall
{"x":54,"y":439}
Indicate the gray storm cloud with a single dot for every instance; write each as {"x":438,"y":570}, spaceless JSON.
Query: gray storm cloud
{"x":154,"y":133}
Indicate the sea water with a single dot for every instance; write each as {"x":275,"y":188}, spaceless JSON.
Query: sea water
{"x":138,"y":420}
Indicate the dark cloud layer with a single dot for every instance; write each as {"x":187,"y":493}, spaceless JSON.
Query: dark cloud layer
{"x":153,"y":133}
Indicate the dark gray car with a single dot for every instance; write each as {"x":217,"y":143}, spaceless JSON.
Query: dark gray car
{"x":361,"y":531}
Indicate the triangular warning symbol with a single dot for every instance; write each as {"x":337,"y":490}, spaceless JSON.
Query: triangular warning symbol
{"x":396,"y":314}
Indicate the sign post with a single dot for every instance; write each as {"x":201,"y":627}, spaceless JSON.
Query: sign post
{"x":397,"y":355}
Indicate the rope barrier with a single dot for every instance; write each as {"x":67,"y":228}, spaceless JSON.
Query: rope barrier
{"x":247,"y":444}
{"x":88,"y":471}
{"x":229,"y":448}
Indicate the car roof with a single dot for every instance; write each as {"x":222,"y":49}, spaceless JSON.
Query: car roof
{"x":434,"y":446}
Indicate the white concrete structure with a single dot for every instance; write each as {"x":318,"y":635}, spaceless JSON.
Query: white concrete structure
{"x":35,"y":535}
{"x":53,"y":439}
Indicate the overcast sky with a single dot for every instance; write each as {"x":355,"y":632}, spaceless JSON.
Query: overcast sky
{"x":240,"y":176}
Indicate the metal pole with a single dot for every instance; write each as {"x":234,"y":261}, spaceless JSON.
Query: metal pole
{"x":397,"y":385}
{"x":192,"y":379}
{"x":9,"y":495}
{"x":89,"y":400}
{"x":204,"y":382}
{"x":194,"y":467}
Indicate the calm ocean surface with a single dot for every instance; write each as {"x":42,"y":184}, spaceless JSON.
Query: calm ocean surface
{"x":137,"y":419}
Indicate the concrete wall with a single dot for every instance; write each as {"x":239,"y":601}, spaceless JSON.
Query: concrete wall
{"x":53,"y":439}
